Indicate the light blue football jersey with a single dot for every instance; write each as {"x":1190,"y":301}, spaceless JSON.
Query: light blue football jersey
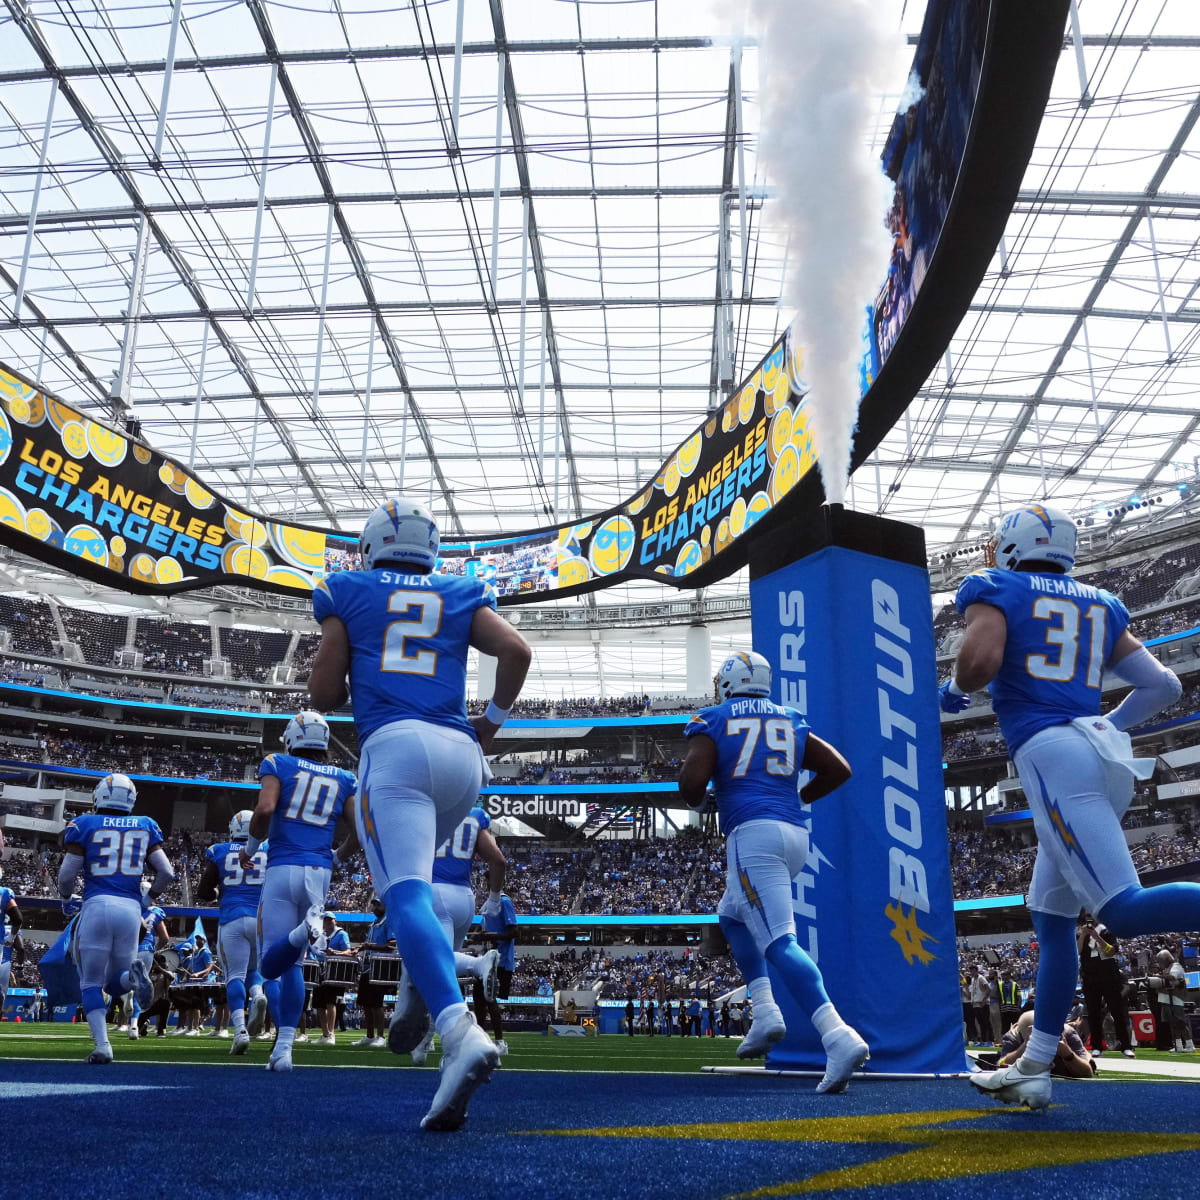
{"x":6,"y":898}
{"x":497,"y":924}
{"x":408,"y":643}
{"x":452,"y":862}
{"x":311,"y":798}
{"x":150,"y":919}
{"x":760,"y":746}
{"x":241,"y":888}
{"x":1060,"y":635}
{"x":115,"y":848}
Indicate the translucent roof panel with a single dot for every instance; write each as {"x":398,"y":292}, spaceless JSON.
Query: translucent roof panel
{"x":493,"y":280}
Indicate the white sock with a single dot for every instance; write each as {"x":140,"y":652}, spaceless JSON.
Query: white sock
{"x":760,"y":994}
{"x":99,"y":1029}
{"x":827,"y":1020}
{"x":283,"y":1044}
{"x":449,"y":1017}
{"x":1039,"y":1054}
{"x":238,"y":1018}
{"x":255,"y":991}
{"x":468,"y":964}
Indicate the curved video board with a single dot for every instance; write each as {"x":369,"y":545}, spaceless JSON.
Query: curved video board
{"x":89,"y":498}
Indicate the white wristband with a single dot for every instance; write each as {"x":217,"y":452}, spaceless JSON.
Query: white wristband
{"x":495,"y":714}
{"x":955,"y":690}
{"x":252,"y":845}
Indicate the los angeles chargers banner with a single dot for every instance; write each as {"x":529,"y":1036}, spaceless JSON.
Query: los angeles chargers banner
{"x":849,"y":634}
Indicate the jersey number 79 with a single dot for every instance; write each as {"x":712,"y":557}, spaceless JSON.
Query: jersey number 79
{"x":780,"y":737}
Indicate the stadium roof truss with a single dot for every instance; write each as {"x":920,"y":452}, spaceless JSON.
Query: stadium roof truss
{"x":491,"y":253}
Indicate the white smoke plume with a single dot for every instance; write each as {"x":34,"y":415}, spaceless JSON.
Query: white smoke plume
{"x":824,"y":65}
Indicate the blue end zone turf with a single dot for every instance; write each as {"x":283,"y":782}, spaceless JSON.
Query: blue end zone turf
{"x":133,"y":1130}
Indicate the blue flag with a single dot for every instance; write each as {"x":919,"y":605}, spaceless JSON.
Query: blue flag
{"x":58,"y":971}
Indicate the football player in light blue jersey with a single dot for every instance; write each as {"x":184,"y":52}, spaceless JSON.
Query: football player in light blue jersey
{"x":454,"y":906}
{"x":401,"y":632}
{"x":111,"y":848}
{"x":10,"y":920}
{"x":300,"y":801}
{"x":1040,"y":642}
{"x":240,"y":890}
{"x":754,"y":752}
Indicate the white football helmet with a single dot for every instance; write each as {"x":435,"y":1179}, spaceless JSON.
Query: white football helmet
{"x":239,"y":825}
{"x":744,"y":674}
{"x":400,"y":531}
{"x":305,"y":731}
{"x":115,"y":791}
{"x":1035,"y":533}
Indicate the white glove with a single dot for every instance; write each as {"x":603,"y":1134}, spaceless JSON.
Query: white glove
{"x":491,"y":907}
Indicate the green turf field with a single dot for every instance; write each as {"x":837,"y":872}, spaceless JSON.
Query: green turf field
{"x":527,"y":1051}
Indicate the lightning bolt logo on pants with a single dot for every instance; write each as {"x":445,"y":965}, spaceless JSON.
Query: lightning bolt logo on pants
{"x":750,"y":891}
{"x":1062,"y":827}
{"x":366,"y":819}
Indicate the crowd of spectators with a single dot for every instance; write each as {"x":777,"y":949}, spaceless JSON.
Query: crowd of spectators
{"x":99,"y":636}
{"x":253,"y":653}
{"x":636,"y":878}
{"x":998,"y":863}
{"x":31,"y":624}
{"x":179,"y":647}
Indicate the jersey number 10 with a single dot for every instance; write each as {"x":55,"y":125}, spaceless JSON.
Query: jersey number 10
{"x":313,"y":798}
{"x":1064,"y":635}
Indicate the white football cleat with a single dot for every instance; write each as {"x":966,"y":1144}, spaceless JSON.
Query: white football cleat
{"x":327,"y":1039}
{"x":101,"y":1056}
{"x":133,"y":1033}
{"x":421,"y":1053}
{"x":845,"y":1053}
{"x":410,"y":1019}
{"x":265,"y":1036}
{"x":1129,"y":1054}
{"x":191,"y":1033}
{"x":241,"y":1043}
{"x":365,"y":1040}
{"x":489,"y":974}
{"x":501,"y":1047}
{"x":178,"y":1031}
{"x":281,"y":1061}
{"x":139,"y":981}
{"x":1010,"y":1085}
{"x":766,"y":1029}
{"x":468,"y":1059}
{"x":258,"y":1015}
{"x":377,"y":1043}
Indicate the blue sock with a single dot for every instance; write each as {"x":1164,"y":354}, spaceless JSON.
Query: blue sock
{"x":743,"y":948}
{"x":270,"y":989}
{"x":235,"y":994}
{"x":1167,"y":908}
{"x":422,"y":943}
{"x":1058,"y":968}
{"x":137,"y":1012}
{"x":291,"y":997}
{"x":279,"y":956}
{"x":798,"y":972}
{"x":92,"y":998}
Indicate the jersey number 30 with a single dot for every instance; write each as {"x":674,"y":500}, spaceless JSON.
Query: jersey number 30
{"x":119,"y":851}
{"x":422,"y":619}
{"x":780,"y":736}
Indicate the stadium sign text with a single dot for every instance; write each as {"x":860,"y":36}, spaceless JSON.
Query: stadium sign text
{"x":535,"y":806}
